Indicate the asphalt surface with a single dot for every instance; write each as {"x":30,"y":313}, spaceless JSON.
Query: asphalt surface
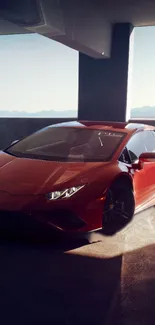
{"x":45,"y":279}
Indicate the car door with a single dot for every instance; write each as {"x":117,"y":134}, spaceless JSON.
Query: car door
{"x":136,"y":146}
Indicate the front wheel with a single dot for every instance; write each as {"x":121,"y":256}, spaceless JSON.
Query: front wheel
{"x":119,"y":207}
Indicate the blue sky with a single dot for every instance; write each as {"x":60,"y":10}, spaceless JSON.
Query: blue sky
{"x":143,"y":68}
{"x":37,"y":74}
{"x":40,"y":74}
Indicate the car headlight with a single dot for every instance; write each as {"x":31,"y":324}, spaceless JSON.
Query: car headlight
{"x":64,"y":194}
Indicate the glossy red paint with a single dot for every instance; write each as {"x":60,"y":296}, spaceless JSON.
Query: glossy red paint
{"x":24,"y":184}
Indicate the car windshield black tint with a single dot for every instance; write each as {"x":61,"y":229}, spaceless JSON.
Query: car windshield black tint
{"x":68,"y":144}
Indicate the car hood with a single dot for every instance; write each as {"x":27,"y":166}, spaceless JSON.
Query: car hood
{"x":20,"y":176}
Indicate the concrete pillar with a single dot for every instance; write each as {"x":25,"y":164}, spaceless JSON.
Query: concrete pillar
{"x":103,"y":82}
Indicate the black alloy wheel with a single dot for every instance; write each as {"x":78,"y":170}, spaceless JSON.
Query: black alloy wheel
{"x":119,"y":207}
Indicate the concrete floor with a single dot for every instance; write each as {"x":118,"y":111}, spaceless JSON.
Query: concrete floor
{"x":108,"y":280}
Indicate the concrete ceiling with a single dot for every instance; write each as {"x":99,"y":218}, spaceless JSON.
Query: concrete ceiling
{"x":85,"y":25}
{"x":138,"y":12}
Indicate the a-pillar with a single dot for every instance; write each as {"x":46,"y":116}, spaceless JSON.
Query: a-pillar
{"x":103,"y":82}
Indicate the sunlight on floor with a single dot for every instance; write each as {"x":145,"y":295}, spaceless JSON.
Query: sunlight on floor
{"x":139,"y":233}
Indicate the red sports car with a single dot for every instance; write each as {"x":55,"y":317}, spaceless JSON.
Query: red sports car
{"x":80,"y":176}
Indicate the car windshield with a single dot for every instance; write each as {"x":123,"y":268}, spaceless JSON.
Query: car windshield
{"x":68,"y":144}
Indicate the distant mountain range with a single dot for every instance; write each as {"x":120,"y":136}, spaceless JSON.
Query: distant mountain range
{"x":143,"y":112}
{"x":52,"y":114}
{"x":138,"y":112}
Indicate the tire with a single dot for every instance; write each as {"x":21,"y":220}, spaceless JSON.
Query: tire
{"x":119,"y":206}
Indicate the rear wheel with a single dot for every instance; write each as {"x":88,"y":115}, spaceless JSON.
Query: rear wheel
{"x":119,"y":206}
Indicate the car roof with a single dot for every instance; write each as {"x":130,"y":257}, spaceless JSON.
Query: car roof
{"x":121,"y":126}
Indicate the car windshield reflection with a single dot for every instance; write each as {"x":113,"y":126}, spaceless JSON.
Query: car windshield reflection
{"x":69,"y":144}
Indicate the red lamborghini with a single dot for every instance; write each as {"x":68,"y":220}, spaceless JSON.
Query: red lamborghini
{"x":80,"y":176}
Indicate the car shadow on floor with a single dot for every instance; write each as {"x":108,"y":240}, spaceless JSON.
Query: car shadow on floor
{"x":42,"y":283}
{"x":136,"y":296}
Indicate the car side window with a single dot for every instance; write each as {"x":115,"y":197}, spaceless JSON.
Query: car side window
{"x":153,"y":140}
{"x":149,"y":140}
{"x":139,"y":143}
{"x":124,"y":157}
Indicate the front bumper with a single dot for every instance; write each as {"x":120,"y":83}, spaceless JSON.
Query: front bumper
{"x":64,"y":215}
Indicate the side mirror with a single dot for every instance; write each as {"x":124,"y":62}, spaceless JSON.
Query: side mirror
{"x":138,"y":165}
{"x":147,"y":157}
